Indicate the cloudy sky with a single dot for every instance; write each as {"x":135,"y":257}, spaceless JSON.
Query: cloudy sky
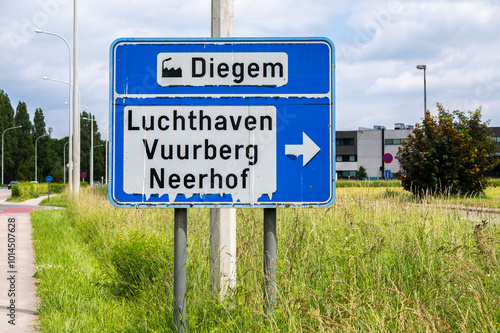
{"x":378,"y":45}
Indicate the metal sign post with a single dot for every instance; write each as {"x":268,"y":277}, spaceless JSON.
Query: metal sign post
{"x":180,"y":259}
{"x":269,"y":259}
{"x":222,"y":123}
{"x":387,"y":175}
{"x":48,"y":179}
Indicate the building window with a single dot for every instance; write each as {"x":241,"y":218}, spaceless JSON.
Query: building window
{"x":344,"y":174}
{"x":495,"y":139}
{"x":346,"y":158}
{"x":344,"y":142}
{"x":389,"y":142}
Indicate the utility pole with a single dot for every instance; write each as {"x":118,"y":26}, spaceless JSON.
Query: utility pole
{"x":76,"y":106}
{"x":222,"y":221}
{"x":424,"y":67}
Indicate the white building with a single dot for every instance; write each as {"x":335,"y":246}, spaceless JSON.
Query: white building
{"x":366,"y":147}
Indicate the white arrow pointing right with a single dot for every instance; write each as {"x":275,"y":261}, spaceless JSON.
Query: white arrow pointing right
{"x":308,"y":149}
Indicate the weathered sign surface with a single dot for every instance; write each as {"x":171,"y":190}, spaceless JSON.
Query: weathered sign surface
{"x":222,"y":122}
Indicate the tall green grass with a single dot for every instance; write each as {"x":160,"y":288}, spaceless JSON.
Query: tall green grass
{"x":375,"y":261}
{"x":367,"y":183}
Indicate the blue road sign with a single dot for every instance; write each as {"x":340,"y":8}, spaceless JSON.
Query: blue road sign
{"x":387,"y":174}
{"x":222,"y":122}
{"x":48,"y":179}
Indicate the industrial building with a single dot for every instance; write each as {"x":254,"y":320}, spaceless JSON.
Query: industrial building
{"x":366,"y":146}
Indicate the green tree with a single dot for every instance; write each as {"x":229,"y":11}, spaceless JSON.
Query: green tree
{"x":7,"y":121}
{"x":24,"y":150}
{"x":19,"y":145}
{"x":361,"y":173}
{"x":85,"y":144}
{"x":56,"y":167}
{"x":99,"y":154}
{"x":48,"y":161}
{"x":40,"y":138}
{"x":449,"y":153}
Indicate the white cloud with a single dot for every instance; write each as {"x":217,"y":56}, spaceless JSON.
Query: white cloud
{"x":378,"y":44}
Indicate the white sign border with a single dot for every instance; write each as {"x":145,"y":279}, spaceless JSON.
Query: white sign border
{"x":176,"y":41}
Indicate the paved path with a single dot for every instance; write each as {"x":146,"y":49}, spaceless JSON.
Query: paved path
{"x":18,"y":301}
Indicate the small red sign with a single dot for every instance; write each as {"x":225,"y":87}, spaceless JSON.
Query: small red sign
{"x":387,"y":158}
{"x":83,"y":175}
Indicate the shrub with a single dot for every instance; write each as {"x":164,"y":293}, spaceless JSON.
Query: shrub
{"x":27,"y":190}
{"x":361,"y":173}
{"x":447,"y":154}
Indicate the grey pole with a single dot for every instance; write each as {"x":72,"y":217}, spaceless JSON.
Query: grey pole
{"x":70,"y":152}
{"x":64,"y":162}
{"x":424,"y":67}
{"x":91,"y":144}
{"x":76,"y":106}
{"x":106,"y":178}
{"x":180,"y":258}
{"x":222,"y":221}
{"x":2,"y":145}
{"x":36,"y":142}
{"x":106,"y":141}
{"x":425,"y":92}
{"x":91,"y":150}
{"x":269,"y":259}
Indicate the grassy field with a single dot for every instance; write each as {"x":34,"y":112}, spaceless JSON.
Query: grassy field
{"x":375,"y":261}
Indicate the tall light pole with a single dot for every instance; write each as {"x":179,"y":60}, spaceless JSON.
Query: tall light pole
{"x":91,"y":145}
{"x":425,"y":88}
{"x":76,"y":106}
{"x":70,"y":142}
{"x":2,"y":145}
{"x":64,"y":162}
{"x":106,"y":141}
{"x":36,"y":143}
{"x":70,"y":154}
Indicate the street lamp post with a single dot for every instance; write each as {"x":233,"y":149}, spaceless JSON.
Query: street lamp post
{"x":107,"y":143}
{"x":2,"y":145}
{"x":70,"y":153}
{"x":64,"y":162}
{"x":425,"y":88}
{"x":91,"y":145}
{"x":36,"y":143}
{"x":76,"y":106}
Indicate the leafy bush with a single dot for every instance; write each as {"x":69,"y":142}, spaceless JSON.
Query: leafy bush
{"x":495,"y":182}
{"x":361,"y":173}
{"x":447,"y":154}
{"x":27,"y":190}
